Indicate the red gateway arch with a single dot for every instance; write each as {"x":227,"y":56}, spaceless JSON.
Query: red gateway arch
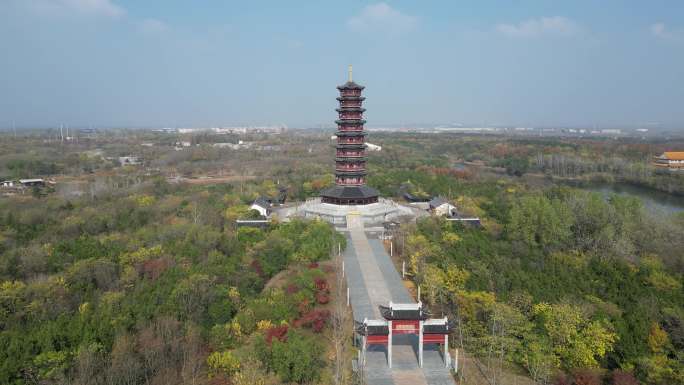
{"x":409,"y":318}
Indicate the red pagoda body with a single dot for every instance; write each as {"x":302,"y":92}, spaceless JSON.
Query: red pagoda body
{"x":350,"y":158}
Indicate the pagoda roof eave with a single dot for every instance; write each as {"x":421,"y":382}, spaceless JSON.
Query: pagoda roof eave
{"x":350,"y":109}
{"x":351,"y":97}
{"x":350,"y":86}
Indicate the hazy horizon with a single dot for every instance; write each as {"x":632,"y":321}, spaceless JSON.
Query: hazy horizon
{"x":170,"y":63}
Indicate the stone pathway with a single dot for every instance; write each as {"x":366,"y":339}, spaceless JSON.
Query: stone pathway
{"x":373,"y":281}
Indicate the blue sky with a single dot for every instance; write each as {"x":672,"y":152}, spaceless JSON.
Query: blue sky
{"x":209,"y":62}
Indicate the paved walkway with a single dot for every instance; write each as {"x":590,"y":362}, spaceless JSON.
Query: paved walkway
{"x":374,"y":281}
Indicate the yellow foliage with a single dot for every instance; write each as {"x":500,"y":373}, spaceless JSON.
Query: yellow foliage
{"x":83,"y":308}
{"x":663,"y":281}
{"x":576,"y":341}
{"x":141,"y":255}
{"x":418,"y":248}
{"x":236,"y":329}
{"x":455,"y":278}
{"x":11,"y":287}
{"x":264,"y":325}
{"x":472,"y":302}
{"x":451,"y":239}
{"x":234,"y":294}
{"x":223,"y":363}
{"x":657,"y":338}
{"x":144,"y":200}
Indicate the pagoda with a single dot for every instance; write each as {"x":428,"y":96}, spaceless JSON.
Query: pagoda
{"x":350,"y":159}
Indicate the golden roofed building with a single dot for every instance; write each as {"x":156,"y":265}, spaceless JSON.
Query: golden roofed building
{"x":673,"y":160}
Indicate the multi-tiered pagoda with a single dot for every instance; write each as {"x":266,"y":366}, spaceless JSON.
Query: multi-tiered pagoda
{"x":350,"y":159}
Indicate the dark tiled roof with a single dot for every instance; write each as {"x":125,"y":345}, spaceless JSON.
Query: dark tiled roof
{"x":350,"y":86}
{"x":262,"y":202}
{"x":412,"y":198}
{"x":371,"y":330}
{"x":350,"y":122}
{"x":439,"y":329}
{"x":350,"y":97}
{"x":350,"y":192}
{"x":437,"y":201}
{"x":350,"y":109}
{"x":419,"y":314}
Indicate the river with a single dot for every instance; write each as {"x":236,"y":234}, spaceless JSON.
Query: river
{"x":654,"y":201}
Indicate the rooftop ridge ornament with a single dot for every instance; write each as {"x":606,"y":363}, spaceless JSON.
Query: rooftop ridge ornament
{"x":350,"y":74}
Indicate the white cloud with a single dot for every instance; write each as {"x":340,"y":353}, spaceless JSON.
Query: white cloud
{"x":554,"y":25}
{"x":87,"y":7}
{"x":661,"y":31}
{"x":381,"y":17}
{"x":153,"y":26}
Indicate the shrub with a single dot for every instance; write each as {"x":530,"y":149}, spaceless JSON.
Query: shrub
{"x":316,"y":320}
{"x":620,"y":377}
{"x":223,"y":363}
{"x":279,"y":333}
{"x":587,"y":377}
{"x":296,"y":360}
{"x":322,"y":298}
{"x":321,"y":284}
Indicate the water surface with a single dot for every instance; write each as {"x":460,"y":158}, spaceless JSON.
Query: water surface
{"x":654,"y":201}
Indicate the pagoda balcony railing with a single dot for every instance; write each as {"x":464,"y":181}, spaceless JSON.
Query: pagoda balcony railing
{"x":358,"y":159}
{"x":343,"y":183}
{"x":342,"y":169}
{"x":350,"y":134}
{"x":348,"y":155}
{"x":350,"y":147}
{"x":350,"y":174}
{"x":350,"y":121}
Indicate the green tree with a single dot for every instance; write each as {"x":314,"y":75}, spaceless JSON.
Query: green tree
{"x":576,"y":341}
{"x":298,"y":359}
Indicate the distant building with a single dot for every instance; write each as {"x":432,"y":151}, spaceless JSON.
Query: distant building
{"x":32,"y":182}
{"x":129,"y":161}
{"x":673,"y":160}
{"x":8,"y":183}
{"x":440,"y":206}
{"x":611,"y":131}
{"x":373,"y":147}
{"x":261,"y":205}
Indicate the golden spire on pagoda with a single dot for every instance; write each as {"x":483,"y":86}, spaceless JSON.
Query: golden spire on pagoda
{"x":350,"y":73}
